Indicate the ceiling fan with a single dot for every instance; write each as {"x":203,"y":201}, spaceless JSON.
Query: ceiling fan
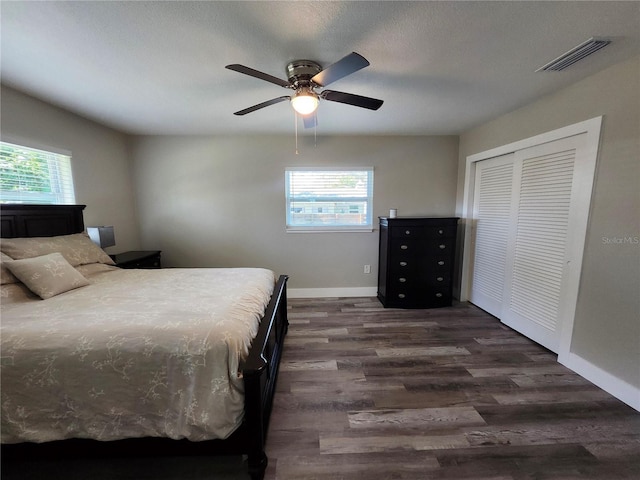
{"x":305,"y":76}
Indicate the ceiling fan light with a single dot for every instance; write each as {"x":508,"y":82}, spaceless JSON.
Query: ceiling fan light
{"x":304,"y":102}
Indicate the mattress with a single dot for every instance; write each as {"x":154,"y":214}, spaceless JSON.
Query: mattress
{"x":136,"y":353}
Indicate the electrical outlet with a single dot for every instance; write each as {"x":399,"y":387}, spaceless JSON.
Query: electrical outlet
{"x":367,"y":269}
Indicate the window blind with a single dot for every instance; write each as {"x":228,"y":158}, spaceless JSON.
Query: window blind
{"x":29,"y":175}
{"x":323,"y":199}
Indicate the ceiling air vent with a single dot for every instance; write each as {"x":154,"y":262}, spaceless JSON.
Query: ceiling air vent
{"x":575,"y":54}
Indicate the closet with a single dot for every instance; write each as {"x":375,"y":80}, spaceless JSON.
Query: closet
{"x":529,"y":213}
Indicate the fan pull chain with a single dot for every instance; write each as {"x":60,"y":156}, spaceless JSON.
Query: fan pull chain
{"x":295,"y":120}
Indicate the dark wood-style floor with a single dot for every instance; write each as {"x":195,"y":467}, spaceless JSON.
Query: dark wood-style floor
{"x":367,"y":393}
{"x":371,"y":393}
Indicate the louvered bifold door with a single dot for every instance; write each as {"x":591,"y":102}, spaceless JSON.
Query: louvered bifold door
{"x":537,"y":254}
{"x":492,"y":216}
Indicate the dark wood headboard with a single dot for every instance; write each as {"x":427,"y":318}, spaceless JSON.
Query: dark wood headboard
{"x":23,"y":220}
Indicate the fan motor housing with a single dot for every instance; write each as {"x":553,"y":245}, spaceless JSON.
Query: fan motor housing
{"x":300,"y":72}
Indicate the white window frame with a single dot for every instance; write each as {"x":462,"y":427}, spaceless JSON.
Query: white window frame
{"x":292,"y":226}
{"x":59,"y":174}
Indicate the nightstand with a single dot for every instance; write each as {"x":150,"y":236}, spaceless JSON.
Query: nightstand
{"x":138,"y":259}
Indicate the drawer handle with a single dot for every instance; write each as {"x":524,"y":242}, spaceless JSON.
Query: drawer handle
{"x":402,"y":279}
{"x":441,"y":262}
{"x":440,"y":232}
{"x":440,"y":279}
{"x":407,"y":232}
{"x":404,"y":247}
{"x":401,"y":295}
{"x":403,"y":264}
{"x":442,"y":246}
{"x":438,"y":295}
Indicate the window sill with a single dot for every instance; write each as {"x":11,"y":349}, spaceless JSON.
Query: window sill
{"x":328,"y":230}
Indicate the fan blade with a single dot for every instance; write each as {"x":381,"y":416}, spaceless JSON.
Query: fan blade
{"x":343,"y":67}
{"x":257,"y":74}
{"x":310,"y":121}
{"x":351,"y":99}
{"x":273,"y":101}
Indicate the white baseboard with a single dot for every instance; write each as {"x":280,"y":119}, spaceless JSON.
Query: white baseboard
{"x":620,"y":389}
{"x":332,"y":292}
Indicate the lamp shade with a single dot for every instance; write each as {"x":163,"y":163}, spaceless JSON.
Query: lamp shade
{"x":102,"y":236}
{"x":304,"y":102}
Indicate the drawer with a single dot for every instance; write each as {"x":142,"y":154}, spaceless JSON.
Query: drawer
{"x":418,"y":298}
{"x":437,"y":264}
{"x":411,"y":264}
{"x":404,"y":266}
{"x":403,"y":282}
{"x":441,"y":281}
{"x":149,"y":263}
{"x":438,"y":279}
{"x":424,"y":232}
{"x":421,"y":246}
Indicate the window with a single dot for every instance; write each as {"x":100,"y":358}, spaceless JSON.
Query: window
{"x":329,"y":199}
{"x":28,"y":175}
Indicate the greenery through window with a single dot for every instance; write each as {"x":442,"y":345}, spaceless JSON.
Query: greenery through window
{"x":329,"y":199}
{"x":29,"y":175}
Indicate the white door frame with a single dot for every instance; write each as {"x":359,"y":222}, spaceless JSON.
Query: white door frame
{"x":592,"y":130}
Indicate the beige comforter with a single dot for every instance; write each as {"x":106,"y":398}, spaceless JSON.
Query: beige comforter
{"x":138,"y":353}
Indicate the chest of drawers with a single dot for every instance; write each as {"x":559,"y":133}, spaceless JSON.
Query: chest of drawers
{"x":415,"y":266}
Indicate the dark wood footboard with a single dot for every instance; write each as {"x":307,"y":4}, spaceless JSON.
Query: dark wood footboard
{"x":260,"y":374}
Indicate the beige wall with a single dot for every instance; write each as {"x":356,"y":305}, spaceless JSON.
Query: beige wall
{"x":607,"y":324}
{"x":219,"y":201}
{"x":100,"y":164}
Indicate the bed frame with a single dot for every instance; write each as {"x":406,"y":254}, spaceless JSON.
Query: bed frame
{"x":260,"y":370}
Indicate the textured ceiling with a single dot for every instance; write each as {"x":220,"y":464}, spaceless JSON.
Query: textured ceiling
{"x":440,"y":67}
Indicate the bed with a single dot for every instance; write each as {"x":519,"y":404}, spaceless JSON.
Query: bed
{"x":128,"y":362}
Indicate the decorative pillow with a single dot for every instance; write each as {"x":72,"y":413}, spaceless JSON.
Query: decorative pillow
{"x":5,"y":274}
{"x":48,"y":275}
{"x":77,"y":249}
